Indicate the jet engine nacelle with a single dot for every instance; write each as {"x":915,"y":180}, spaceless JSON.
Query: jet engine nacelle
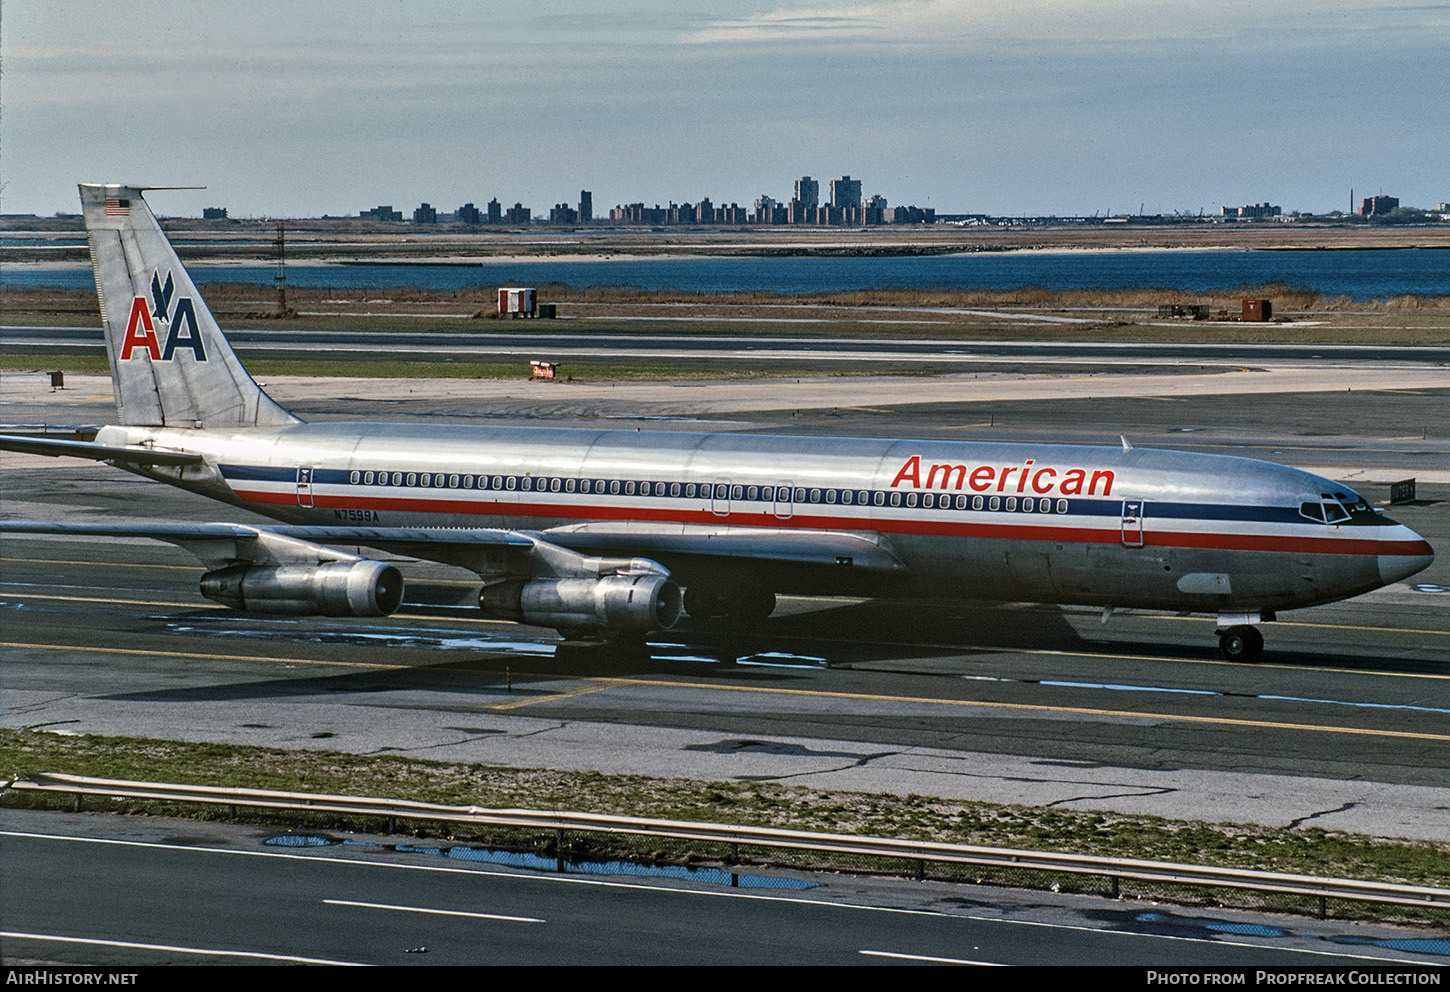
{"x":611,"y":604}
{"x":330,"y":589}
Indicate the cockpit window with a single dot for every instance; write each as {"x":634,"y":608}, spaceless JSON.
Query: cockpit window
{"x":1341,"y":508}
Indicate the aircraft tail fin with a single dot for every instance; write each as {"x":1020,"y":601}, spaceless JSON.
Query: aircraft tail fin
{"x":171,"y":364}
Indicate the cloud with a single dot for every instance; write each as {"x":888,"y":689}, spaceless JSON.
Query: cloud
{"x":951,"y":23}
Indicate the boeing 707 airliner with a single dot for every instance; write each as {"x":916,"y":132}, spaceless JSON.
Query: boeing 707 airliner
{"x":601,"y":533}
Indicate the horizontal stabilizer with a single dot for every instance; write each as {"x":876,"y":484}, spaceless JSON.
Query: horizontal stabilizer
{"x":57,"y":448}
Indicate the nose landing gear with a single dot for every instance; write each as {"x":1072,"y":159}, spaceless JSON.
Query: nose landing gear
{"x":1241,"y":643}
{"x":1238,"y":637}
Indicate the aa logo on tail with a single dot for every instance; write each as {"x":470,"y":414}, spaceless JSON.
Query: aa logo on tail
{"x":182,"y":330}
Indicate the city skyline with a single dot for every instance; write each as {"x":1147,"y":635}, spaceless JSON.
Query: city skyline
{"x":1005,"y":107}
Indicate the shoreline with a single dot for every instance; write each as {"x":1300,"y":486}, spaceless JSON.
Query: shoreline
{"x":695,"y":254}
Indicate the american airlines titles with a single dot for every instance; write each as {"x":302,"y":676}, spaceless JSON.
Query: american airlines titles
{"x":1028,"y":477}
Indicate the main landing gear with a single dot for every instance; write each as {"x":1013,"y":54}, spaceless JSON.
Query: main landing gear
{"x":1238,"y":637}
{"x":734,"y":604}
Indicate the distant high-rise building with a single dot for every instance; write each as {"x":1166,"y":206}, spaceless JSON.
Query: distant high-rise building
{"x":425,"y":214}
{"x":518,"y":214}
{"x":1377,"y":206}
{"x":214,"y":213}
{"x":469,"y":214}
{"x":845,"y":192}
{"x":385,"y":212}
{"x":1254,"y":211}
{"x":495,"y":212}
{"x":586,"y":206}
{"x":808,"y":192}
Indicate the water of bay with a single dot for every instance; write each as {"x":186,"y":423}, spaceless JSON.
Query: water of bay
{"x":1360,"y":274}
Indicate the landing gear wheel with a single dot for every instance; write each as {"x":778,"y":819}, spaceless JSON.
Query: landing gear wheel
{"x":1241,"y":643}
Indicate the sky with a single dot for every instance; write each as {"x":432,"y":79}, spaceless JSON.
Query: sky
{"x":1006,"y":107}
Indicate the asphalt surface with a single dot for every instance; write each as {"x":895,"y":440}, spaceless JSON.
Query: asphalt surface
{"x":161,"y":892}
{"x":1342,"y":726}
{"x":615,"y":340}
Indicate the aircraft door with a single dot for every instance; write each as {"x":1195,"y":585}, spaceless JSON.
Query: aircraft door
{"x":784,"y":506}
{"x":304,"y":487}
{"x":1132,"y":527}
{"x":720,"y":498}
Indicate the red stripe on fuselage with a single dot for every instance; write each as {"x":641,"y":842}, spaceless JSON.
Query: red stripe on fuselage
{"x":1046,"y":531}
{"x":1109,"y":534}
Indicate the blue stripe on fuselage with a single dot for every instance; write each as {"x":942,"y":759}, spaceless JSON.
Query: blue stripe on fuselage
{"x":1077,"y":506}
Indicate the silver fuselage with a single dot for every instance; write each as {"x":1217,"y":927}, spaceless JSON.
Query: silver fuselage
{"x":1103,"y":526}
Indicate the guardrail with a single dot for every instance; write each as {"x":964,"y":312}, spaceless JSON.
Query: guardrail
{"x":915,"y":851}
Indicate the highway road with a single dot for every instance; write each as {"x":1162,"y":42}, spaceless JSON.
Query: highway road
{"x":157,"y":891}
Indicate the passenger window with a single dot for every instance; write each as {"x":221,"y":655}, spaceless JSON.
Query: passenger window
{"x":1028,"y":506}
{"x":511,"y":483}
{"x":995,"y":503}
{"x":354,"y":478}
{"x":977,"y":502}
{"x":863,"y":497}
{"x":767,"y":493}
{"x":895,"y":499}
{"x":412,"y":478}
{"x":555,"y":484}
{"x":1011,"y":503}
{"x":961,"y":502}
{"x":911,"y":499}
{"x":674,"y":489}
{"x":570,"y":484}
{"x":752,"y":493}
{"x":879,"y":499}
{"x":737,"y":492}
{"x":629,"y":488}
{"x":830,"y":495}
{"x":1062,"y":506}
{"x":815,"y":495}
{"x":928,"y":501}
{"x":614,"y":488}
{"x":800,"y":496}
{"x":690,"y":490}
{"x":367,"y":478}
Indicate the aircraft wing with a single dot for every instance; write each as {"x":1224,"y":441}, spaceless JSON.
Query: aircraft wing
{"x":495,"y":551}
{"x":56,"y":448}
{"x":804,"y":550}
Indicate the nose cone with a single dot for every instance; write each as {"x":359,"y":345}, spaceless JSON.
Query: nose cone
{"x":1402,"y":554}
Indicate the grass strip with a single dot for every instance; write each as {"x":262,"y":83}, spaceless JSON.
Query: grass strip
{"x":1310,"y":851}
